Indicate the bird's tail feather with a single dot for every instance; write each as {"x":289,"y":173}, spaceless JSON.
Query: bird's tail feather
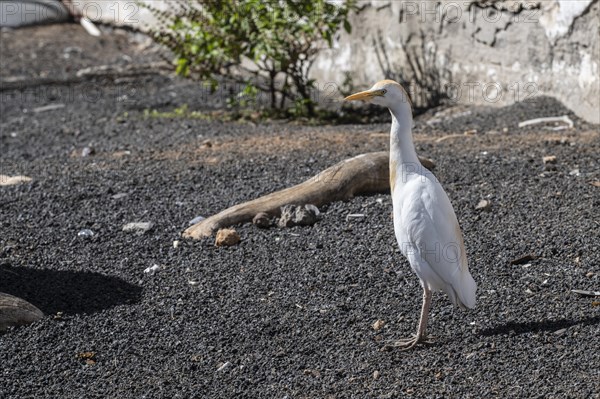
{"x":465,"y":292}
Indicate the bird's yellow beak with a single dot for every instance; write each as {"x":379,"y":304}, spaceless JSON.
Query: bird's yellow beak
{"x":365,"y":95}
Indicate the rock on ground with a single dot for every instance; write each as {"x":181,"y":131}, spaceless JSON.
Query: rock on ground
{"x":138,"y":228}
{"x":298,"y":215}
{"x":262,"y":220}
{"x":17,"y":312}
{"x":227,"y":238}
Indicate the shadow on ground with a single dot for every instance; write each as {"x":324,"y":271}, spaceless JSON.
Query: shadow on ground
{"x":69,"y":292}
{"x":538,"y":326}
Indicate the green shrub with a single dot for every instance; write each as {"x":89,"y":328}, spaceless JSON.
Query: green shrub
{"x":264,"y":45}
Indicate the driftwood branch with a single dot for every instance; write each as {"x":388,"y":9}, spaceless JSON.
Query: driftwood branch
{"x":363,"y":174}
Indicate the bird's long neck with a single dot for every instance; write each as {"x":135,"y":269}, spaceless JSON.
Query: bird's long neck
{"x":402,"y":148}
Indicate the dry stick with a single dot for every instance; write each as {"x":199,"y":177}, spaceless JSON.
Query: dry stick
{"x":565,"y":119}
{"x":450,"y":136}
{"x":363,"y":174}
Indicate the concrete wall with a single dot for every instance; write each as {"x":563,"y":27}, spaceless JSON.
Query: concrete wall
{"x":479,"y":51}
{"x":484,"y":52}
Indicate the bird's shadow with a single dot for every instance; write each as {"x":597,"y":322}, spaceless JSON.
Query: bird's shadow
{"x":70,"y":292}
{"x":518,"y":328}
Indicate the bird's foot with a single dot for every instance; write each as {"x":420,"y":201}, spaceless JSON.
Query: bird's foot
{"x":408,"y":343}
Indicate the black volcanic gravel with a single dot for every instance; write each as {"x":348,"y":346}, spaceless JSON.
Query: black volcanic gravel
{"x":287,"y":313}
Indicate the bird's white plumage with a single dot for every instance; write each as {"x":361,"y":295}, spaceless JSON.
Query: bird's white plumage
{"x":429,"y":236}
{"x":425,"y":224}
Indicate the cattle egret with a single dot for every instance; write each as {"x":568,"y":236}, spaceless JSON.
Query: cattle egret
{"x":424,"y":221}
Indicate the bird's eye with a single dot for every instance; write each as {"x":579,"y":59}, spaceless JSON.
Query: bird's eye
{"x":383,"y":92}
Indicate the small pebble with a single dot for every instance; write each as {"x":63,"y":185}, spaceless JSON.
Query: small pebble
{"x":262,"y":220}
{"x":87,"y":151}
{"x":119,"y":195}
{"x":152,"y":269}
{"x":483,"y":205}
{"x":356,"y":216}
{"x":378,"y":325}
{"x":195,"y":220}
{"x":227,"y":237}
{"x":298,"y":215}
{"x":224,"y":366}
{"x":176,"y":244}
{"x":549,"y":162}
{"x":85,"y":233}
{"x":139,"y":228}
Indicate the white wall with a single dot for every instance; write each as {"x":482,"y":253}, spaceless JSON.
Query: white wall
{"x":552,"y":48}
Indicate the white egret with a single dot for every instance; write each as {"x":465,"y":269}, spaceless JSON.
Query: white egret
{"x":424,"y":221}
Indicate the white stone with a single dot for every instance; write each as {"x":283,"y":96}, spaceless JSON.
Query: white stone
{"x":139,"y":228}
{"x":12,"y":180}
{"x":152,"y":269}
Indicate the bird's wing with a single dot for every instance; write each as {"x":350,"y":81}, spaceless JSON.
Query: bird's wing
{"x":439,"y":252}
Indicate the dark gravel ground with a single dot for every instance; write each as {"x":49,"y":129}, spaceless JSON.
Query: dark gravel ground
{"x":288,"y":312}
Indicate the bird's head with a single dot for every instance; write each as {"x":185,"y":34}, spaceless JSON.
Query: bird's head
{"x":386,"y":93}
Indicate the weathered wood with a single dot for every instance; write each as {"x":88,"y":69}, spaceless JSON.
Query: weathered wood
{"x":363,"y":174}
{"x":16,"y":312}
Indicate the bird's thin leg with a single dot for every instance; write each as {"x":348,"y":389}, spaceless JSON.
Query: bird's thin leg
{"x":422,"y":328}
{"x":424,"y":313}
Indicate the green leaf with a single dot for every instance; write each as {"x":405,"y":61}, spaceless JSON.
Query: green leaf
{"x":182,"y":67}
{"x":347,"y":26}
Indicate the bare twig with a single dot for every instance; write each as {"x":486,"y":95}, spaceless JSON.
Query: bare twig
{"x":552,"y":119}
